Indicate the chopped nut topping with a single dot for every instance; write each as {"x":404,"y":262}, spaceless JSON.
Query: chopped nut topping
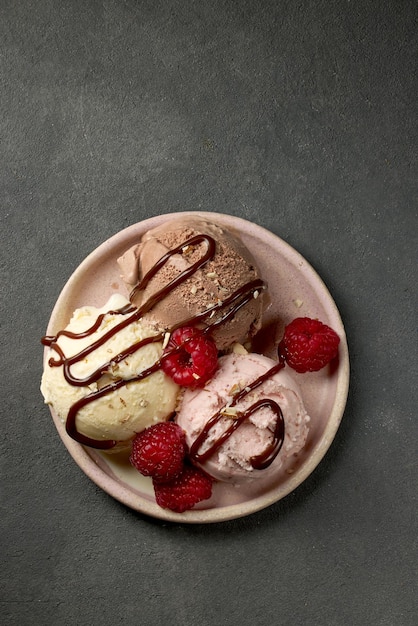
{"x":166,"y":340}
{"x":230,"y":411}
{"x":238,"y":348}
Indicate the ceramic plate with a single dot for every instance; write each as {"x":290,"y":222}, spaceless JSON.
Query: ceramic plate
{"x":295,"y":290}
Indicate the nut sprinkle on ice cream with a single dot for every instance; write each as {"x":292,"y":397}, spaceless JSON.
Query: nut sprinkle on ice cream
{"x":216,"y":266}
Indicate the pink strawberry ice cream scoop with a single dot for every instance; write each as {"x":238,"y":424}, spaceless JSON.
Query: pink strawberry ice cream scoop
{"x":229,"y":269}
{"x":246,"y":422}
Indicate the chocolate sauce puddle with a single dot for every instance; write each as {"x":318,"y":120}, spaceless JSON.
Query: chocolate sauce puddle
{"x":228,"y":307}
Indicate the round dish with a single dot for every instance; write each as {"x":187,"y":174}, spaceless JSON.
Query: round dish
{"x":295,"y":290}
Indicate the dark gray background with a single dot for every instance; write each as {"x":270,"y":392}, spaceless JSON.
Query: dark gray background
{"x":299,"y":116}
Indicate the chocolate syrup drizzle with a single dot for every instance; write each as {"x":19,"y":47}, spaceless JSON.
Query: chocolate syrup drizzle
{"x":260,"y":461}
{"x":228,"y":308}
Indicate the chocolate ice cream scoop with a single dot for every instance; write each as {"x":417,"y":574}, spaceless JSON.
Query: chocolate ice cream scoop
{"x":223,"y":280}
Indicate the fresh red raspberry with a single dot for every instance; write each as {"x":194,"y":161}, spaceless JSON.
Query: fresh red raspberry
{"x":159,"y":451}
{"x":308,"y":345}
{"x":190,"y":358}
{"x":181,"y":494}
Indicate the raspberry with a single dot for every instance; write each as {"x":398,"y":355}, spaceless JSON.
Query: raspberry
{"x":190,"y":358}
{"x":159,"y":451}
{"x":308,"y":345}
{"x":185,"y":491}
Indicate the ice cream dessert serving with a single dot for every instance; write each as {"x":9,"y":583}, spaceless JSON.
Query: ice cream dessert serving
{"x":170,"y":374}
{"x":93,"y":376}
{"x":263,"y":419}
{"x":212,"y":268}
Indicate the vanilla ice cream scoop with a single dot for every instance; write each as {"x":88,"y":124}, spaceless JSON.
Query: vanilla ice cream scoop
{"x":274,"y":428}
{"x":112,"y":403}
{"x":229,"y":269}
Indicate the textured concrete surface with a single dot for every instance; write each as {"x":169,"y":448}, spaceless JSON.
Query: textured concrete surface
{"x":299,"y":116}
